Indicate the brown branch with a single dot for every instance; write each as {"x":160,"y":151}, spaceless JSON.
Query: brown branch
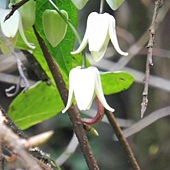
{"x":12,"y":141}
{"x":72,"y":112}
{"x":43,"y":159}
{"x":15,"y":7}
{"x":122,"y":140}
{"x":149,"y":63}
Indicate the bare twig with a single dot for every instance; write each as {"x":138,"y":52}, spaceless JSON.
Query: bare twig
{"x":73,"y":113}
{"x":19,"y":63}
{"x":12,"y":141}
{"x":149,"y":63}
{"x":122,"y":140}
{"x":137,"y":46}
{"x":44,"y":159}
{"x":15,"y":7}
{"x":146,"y":121}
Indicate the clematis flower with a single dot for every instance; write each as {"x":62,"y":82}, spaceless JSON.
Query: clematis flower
{"x":85,"y":84}
{"x":100,"y":29}
{"x":11,"y":27}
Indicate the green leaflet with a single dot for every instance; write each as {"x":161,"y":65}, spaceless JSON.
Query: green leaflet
{"x":114,"y":4}
{"x":114,"y":82}
{"x":79,"y":3}
{"x":39,"y":103}
{"x":61,"y":53}
{"x":54,"y":26}
{"x":28,"y":13}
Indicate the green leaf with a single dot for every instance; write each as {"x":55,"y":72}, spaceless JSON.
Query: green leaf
{"x":114,"y":82}
{"x":79,"y":3}
{"x":114,"y":4}
{"x":39,"y":103}
{"x":54,"y":26}
{"x":61,"y":53}
{"x":28,"y":12}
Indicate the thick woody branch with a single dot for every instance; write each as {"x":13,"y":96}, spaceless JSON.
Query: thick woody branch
{"x":72,"y":112}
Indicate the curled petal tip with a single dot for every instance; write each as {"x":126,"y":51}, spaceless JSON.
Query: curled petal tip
{"x":112,"y":110}
{"x":109,"y":108}
{"x":125,"y":54}
{"x":73,"y":52}
{"x":63,"y":111}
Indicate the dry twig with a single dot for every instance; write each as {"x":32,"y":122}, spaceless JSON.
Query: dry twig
{"x":15,"y":144}
{"x":149,"y":63}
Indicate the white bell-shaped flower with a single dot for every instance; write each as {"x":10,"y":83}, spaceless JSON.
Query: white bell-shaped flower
{"x":85,"y":84}
{"x":100,"y":29}
{"x":12,"y":26}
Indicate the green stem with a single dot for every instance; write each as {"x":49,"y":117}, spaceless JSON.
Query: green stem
{"x":101,"y":6}
{"x":74,"y":31}
{"x":67,"y":22}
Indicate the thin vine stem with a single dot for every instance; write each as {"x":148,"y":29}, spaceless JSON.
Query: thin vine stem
{"x":101,"y":6}
{"x":149,"y":60}
{"x":119,"y":134}
{"x":84,"y":65}
{"x":15,"y":7}
{"x":67,"y":22}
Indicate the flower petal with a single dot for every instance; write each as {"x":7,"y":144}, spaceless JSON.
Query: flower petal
{"x":82,"y":45}
{"x":21,"y":31}
{"x":97,"y":56}
{"x":99,"y":92}
{"x":70,"y":95}
{"x":10,"y":26}
{"x":83,"y":81}
{"x":113,"y":36}
{"x":97,"y":28}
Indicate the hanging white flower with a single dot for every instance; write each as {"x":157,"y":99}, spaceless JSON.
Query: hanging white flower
{"x":12,"y":26}
{"x":100,"y":29}
{"x":85,"y":84}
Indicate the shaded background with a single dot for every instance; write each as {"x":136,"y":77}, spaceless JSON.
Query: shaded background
{"x":150,"y":145}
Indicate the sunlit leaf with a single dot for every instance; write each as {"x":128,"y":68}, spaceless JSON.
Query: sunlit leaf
{"x":54,"y":26}
{"x":61,"y":53}
{"x":39,"y":103}
{"x":114,"y":82}
{"x":28,"y":11}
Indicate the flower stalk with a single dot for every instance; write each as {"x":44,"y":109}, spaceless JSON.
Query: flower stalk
{"x":101,"y":6}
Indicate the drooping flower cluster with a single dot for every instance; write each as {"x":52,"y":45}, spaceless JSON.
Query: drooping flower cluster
{"x":85,"y":83}
{"x":100,"y":30}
